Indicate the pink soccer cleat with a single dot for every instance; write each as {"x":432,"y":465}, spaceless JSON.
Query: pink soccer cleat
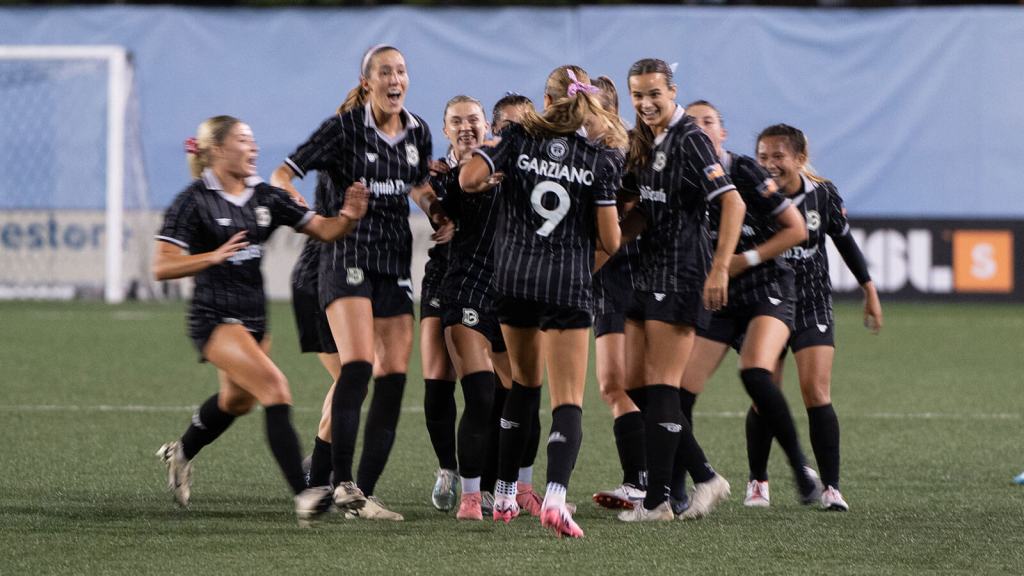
{"x":527,"y":499}
{"x":469,"y":507}
{"x":558,"y":519}
{"x":505,"y":509}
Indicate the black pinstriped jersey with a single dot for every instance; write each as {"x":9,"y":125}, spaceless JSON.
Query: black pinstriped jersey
{"x":471,"y":267}
{"x":614,"y":282}
{"x":544,"y":241}
{"x":203,"y":217}
{"x":439,"y":255}
{"x":823,"y":210}
{"x":349,"y":147}
{"x":682,"y":176}
{"x":764,"y":204}
{"x":305,"y":271}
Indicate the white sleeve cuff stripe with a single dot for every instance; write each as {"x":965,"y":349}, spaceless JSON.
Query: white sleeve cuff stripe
{"x":604,"y":202}
{"x":305,"y":220}
{"x":720,"y":191}
{"x":782,"y":207}
{"x":295,"y":168}
{"x":172,"y":241}
{"x":482,"y":154}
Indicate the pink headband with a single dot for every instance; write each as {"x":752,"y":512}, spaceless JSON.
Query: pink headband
{"x":577,"y":86}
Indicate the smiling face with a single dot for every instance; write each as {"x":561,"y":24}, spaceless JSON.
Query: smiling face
{"x":465,"y":127}
{"x":653,"y":98}
{"x":387,"y":81}
{"x":776,"y":155}
{"x":237,"y":154}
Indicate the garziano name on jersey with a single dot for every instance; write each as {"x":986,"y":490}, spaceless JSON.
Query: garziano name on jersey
{"x":647,"y":193}
{"x":555,"y":170}
{"x":388,"y":187}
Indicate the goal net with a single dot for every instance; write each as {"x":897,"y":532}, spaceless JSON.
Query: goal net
{"x":74,"y":217}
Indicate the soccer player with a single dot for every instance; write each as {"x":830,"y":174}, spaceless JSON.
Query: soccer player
{"x":783,"y":151}
{"x":313,"y":329}
{"x":678,"y":176}
{"x":759,"y":316}
{"x":365,"y":287}
{"x":613,"y":291}
{"x":558,"y":191}
{"x":222,"y":221}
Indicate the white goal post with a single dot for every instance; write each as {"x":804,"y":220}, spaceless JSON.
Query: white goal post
{"x":118,"y":87}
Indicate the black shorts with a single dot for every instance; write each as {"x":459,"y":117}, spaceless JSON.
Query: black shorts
{"x":311,"y":321}
{"x":520,"y":313}
{"x":813,"y":335}
{"x":389,"y":295}
{"x":200,"y":328}
{"x":673,"y":308}
{"x":484,"y":321}
{"x":729,"y":325}
{"x":431,"y":305}
{"x":614,"y":323}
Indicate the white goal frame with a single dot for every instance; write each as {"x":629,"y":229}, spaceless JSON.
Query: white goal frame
{"x":118,"y":86}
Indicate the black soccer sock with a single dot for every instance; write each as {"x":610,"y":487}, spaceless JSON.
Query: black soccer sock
{"x":662,"y":429}
{"x":759,"y":445}
{"x":532,"y":438}
{"x":208,"y":423}
{"x":678,"y":485}
{"x":564,"y":442}
{"x":320,"y":463}
{"x":490,"y":472}
{"x":824,"y":427}
{"x":629,"y":440}
{"x":639,"y":397}
{"x":346,"y":404}
{"x":771,"y":404}
{"x":284,"y":444}
{"x":478,"y":395}
{"x":439,"y":409}
{"x":515,"y":419}
{"x":381,"y":425}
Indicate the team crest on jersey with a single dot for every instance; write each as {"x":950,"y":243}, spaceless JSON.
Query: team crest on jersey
{"x":659,"y":161}
{"x":557,"y":149}
{"x":371,"y":157}
{"x":412,"y":154}
{"x":470,"y":317}
{"x":813,"y":220}
{"x":714,"y":171}
{"x":262,"y":216}
{"x":354,"y":276}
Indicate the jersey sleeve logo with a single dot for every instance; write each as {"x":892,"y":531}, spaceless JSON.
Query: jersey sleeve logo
{"x":262,"y":216}
{"x":412,"y":154}
{"x":354,"y":276}
{"x":659,"y":161}
{"x":714,"y":171}
{"x":557,"y":149}
{"x":813,"y":220}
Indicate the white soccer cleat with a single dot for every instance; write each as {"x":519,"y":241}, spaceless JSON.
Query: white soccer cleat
{"x":757,"y":495}
{"x":446,"y":490}
{"x":504,"y":509}
{"x":312,"y":503}
{"x":374,"y":509}
{"x":831,"y":499}
{"x":623,"y":497}
{"x":706,"y":495}
{"x":348,"y":497}
{"x":179,"y":471}
{"x":638,"y":513}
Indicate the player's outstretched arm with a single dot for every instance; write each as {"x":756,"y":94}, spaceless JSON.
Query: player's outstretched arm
{"x":170,"y":263}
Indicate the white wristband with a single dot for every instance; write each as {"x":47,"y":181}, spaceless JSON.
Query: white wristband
{"x":752,"y":257}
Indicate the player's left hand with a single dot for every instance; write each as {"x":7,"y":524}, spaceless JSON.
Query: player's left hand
{"x":872,"y":309}
{"x":444,"y":233}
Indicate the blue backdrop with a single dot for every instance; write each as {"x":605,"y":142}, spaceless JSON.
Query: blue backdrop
{"x":912,"y":112}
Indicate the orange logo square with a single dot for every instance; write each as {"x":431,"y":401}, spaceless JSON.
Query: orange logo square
{"x":983,"y":261}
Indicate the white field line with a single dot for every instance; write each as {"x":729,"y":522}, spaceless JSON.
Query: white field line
{"x":419,"y":409}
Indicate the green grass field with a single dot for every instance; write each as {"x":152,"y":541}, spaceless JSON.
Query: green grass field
{"x":931,"y":413}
